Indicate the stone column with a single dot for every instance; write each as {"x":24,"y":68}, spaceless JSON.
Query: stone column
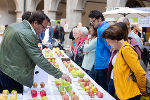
{"x":30,"y":5}
{"x":50,"y":8}
{"x":115,"y":3}
{"x":19,"y":9}
{"x":74,"y":10}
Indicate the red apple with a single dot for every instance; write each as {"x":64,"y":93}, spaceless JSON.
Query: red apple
{"x":65,"y":97}
{"x":99,"y":94}
{"x":75,"y":97}
{"x":34,"y":93}
{"x":91,"y":94}
{"x":57,"y":84}
{"x":43,"y":93}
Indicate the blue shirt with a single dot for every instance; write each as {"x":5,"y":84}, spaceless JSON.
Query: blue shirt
{"x":137,"y":38}
{"x":103,"y":53}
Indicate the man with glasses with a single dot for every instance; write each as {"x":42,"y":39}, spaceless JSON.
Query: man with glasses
{"x":19,"y":53}
{"x":102,"y":49}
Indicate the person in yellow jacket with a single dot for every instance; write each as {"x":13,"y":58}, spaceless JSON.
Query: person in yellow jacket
{"x":126,"y":89}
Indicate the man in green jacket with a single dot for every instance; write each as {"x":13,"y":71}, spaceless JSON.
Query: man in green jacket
{"x":19,"y":53}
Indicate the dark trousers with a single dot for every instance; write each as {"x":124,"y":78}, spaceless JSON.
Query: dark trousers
{"x":101,"y":78}
{"x":111,"y":88}
{"x":91,"y":73}
{"x":135,"y":98}
{"x":7,"y":83}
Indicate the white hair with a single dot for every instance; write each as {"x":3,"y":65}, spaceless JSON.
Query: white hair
{"x":83,"y":30}
{"x":75,"y":30}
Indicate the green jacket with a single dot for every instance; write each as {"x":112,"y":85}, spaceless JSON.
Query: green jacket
{"x":19,"y":53}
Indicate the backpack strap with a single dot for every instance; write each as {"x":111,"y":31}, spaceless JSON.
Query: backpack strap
{"x":131,"y":72}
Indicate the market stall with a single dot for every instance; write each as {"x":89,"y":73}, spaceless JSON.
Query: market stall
{"x":81,"y":82}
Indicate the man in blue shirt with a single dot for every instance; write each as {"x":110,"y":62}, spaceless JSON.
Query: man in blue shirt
{"x":103,"y":53}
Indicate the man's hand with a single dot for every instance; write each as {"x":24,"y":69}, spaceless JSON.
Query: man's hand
{"x":66,"y":77}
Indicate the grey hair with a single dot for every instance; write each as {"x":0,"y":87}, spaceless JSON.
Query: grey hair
{"x":83,"y":30}
{"x":75,"y":29}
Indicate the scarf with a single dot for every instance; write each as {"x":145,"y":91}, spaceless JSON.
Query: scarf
{"x":79,"y":43}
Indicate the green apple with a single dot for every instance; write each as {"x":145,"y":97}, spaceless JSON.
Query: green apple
{"x":68,"y":88}
{"x":49,"y":60}
{"x":50,"y":54}
{"x":74,"y":75}
{"x":60,"y":88}
{"x":53,"y":60}
{"x":81,"y":74}
{"x":45,"y":98}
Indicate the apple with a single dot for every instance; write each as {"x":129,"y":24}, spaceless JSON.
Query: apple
{"x":14,"y":92}
{"x":2,"y":97}
{"x":87,"y":89}
{"x":45,"y":98}
{"x":60,"y":88}
{"x":99,"y":94}
{"x":68,"y":88}
{"x":80,"y":74}
{"x":42,"y":93}
{"x":13,"y":97}
{"x":35,"y":85}
{"x":34,"y":93}
{"x":5,"y":92}
{"x":42,"y":84}
{"x":80,"y":80}
{"x":49,"y":60}
{"x":94,"y":88}
{"x":70,"y":69}
{"x":84,"y":84}
{"x":71,"y":93}
{"x":86,"y":80}
{"x":50,"y":54}
{"x":65,"y":97}
{"x":57,"y":84}
{"x":53,"y":60}
{"x":74,"y":97}
{"x":91,"y":85}
{"x":35,"y":98}
{"x":63,"y":92}
{"x":91,"y":94}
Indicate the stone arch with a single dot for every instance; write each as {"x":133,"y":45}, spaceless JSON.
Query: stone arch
{"x":80,"y":4}
{"x":61,"y":9}
{"x":134,"y":3}
{"x":39,"y":4}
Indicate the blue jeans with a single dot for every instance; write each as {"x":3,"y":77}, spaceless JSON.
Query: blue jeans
{"x":111,"y":88}
{"x":8,"y":83}
{"x":101,"y":78}
{"x":135,"y":98}
{"x":91,"y":73}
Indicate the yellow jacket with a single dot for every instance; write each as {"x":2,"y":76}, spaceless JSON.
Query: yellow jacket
{"x":126,"y":88}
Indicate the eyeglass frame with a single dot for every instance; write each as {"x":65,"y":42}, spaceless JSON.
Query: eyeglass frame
{"x":93,"y":21}
{"x":43,"y":27}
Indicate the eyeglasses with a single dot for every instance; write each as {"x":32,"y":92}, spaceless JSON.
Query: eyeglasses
{"x":43,"y":27}
{"x":92,"y":21}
